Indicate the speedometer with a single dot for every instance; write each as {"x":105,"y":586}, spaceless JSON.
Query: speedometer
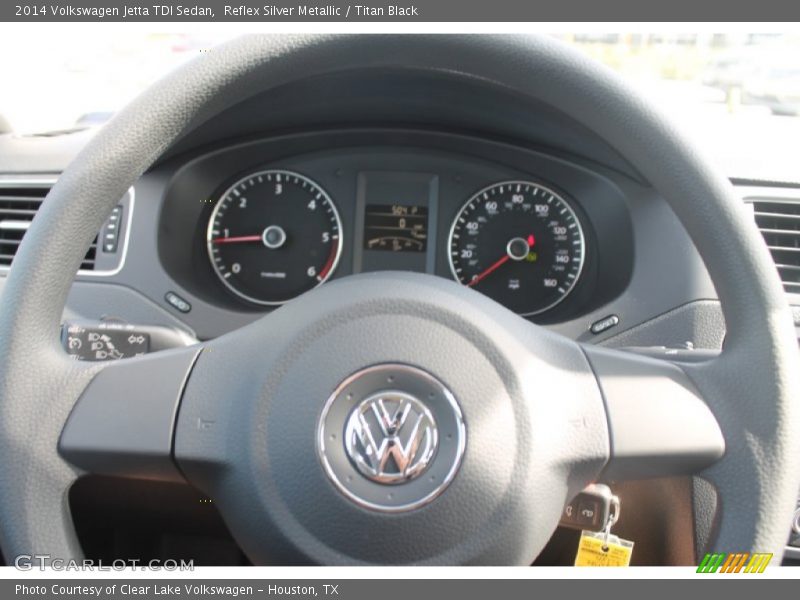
{"x":520,"y":243}
{"x":274,"y":235}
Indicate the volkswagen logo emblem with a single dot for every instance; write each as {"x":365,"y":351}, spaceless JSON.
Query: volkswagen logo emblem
{"x":391,"y":437}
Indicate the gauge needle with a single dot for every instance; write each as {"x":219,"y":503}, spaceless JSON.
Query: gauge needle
{"x":489,"y":271}
{"x":531,"y":241}
{"x":237,"y":240}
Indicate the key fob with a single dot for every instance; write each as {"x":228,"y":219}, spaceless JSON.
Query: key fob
{"x":590,"y":509}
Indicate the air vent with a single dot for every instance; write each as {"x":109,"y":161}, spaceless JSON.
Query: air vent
{"x":779,"y":222}
{"x":18,"y":205}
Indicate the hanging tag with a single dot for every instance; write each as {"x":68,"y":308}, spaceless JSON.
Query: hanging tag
{"x":599,"y":549}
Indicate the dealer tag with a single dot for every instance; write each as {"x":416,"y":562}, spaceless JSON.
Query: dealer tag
{"x":600,"y":548}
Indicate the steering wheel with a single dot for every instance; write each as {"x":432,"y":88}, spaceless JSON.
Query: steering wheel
{"x":396,"y":417}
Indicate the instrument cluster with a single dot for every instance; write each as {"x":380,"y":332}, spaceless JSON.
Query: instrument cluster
{"x":275,"y":234}
{"x":546,"y":238}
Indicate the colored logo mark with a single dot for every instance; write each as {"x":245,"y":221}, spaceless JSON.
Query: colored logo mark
{"x":740,"y":562}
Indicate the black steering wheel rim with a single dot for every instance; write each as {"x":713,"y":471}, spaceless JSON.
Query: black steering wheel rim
{"x":752,"y":388}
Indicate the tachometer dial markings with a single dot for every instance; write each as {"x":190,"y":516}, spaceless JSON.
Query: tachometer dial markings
{"x":329,"y":264}
{"x":299,"y":244}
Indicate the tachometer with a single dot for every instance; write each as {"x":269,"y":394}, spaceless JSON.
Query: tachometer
{"x":274,"y":235}
{"x":519,"y":243}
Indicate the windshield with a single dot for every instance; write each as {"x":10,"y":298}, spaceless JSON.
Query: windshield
{"x":738,"y":94}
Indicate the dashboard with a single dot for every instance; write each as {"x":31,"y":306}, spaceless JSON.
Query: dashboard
{"x":390,"y":170}
{"x":215,"y":236}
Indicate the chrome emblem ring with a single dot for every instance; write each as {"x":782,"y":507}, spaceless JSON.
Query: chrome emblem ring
{"x":391,"y":437}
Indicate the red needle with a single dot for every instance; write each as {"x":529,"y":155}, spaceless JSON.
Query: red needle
{"x":531,"y":241}
{"x":490,"y":270}
{"x":237,"y":240}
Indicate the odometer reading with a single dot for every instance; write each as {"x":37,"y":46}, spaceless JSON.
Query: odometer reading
{"x":519,"y":243}
{"x":274,"y":235}
{"x":396,"y":228}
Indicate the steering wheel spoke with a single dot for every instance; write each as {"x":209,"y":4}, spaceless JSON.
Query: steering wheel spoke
{"x":659,"y":424}
{"x":123,"y":422}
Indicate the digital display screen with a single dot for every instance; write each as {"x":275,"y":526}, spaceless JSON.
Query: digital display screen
{"x":396,"y":228}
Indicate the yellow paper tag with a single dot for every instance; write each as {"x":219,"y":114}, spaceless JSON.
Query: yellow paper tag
{"x":592,"y":553}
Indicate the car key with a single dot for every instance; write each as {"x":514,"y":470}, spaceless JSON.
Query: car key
{"x":601,"y":548}
{"x":590,"y":509}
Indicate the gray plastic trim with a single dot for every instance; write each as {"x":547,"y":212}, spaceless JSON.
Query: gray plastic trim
{"x":658,"y":423}
{"x":791,"y":553}
{"x":123,"y":423}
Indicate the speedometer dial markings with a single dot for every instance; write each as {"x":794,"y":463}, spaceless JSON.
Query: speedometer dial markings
{"x":519,"y":243}
{"x":274,"y":235}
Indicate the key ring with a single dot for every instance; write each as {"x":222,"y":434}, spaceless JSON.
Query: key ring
{"x":613,"y":517}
